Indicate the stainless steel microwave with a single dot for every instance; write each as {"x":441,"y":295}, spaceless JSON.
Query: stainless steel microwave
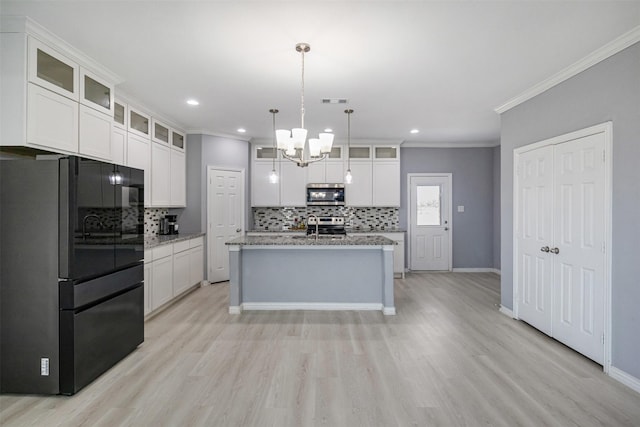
{"x":325,"y":195}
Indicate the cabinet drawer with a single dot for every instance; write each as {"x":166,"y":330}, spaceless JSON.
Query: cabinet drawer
{"x":180,"y":246}
{"x":162,"y":252}
{"x":198,"y":241}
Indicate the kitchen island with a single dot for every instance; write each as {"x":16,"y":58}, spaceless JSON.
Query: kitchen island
{"x":304,"y":273}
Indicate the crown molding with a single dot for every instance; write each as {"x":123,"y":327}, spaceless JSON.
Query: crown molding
{"x":468,"y":144}
{"x":218,"y":134}
{"x":24,"y":24}
{"x":624,"y":41}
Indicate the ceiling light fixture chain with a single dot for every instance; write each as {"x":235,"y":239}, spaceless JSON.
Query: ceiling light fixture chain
{"x":292,"y":143}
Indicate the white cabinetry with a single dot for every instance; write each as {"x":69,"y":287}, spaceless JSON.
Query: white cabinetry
{"x":330,"y":170}
{"x":95,"y":133}
{"x":52,"y":120}
{"x":386,"y":183}
{"x":52,"y":70}
{"x":263,"y":192}
{"x":359,"y":192}
{"x":118,"y":146}
{"x":139,"y":157}
{"x":178,"y":178}
{"x":162,"y":275}
{"x":170,"y":270}
{"x":160,"y":175}
{"x":292,"y":184}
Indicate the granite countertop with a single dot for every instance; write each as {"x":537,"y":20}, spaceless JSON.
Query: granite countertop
{"x":349,"y":230}
{"x":151,"y":242}
{"x":310,"y":241}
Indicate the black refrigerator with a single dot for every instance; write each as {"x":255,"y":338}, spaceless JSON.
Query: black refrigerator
{"x":71,"y":271}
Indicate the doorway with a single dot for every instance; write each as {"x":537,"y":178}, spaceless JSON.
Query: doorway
{"x":562,"y":230}
{"x":225,"y":218}
{"x":430,"y":236}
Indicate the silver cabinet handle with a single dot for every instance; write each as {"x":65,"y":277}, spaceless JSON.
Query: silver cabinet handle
{"x":545,"y":249}
{"x":555,"y":251}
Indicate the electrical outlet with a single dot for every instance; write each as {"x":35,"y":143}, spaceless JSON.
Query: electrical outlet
{"x":44,"y":366}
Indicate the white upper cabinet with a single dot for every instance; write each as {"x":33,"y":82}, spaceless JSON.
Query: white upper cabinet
{"x":178,"y":140}
{"x":52,"y":120}
{"x":119,"y":146}
{"x":120,"y":115}
{"x":160,"y":132}
{"x":263,"y":192}
{"x":139,"y":123}
{"x":139,"y":157}
{"x":293,"y":184}
{"x":96,"y":92}
{"x":95,"y":133}
{"x":160,"y":175}
{"x":386,"y":184}
{"x":51,"y":70}
{"x":359,"y":192}
{"x":178,"y":179}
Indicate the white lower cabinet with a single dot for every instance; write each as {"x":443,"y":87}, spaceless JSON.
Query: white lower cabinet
{"x":162,"y":276}
{"x":170,"y":270}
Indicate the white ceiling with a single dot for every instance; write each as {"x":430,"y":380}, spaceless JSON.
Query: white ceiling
{"x":440,"y":67}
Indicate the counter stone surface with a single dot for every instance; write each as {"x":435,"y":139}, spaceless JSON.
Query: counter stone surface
{"x":310,"y":241}
{"x":349,"y":230}
{"x":151,"y":242}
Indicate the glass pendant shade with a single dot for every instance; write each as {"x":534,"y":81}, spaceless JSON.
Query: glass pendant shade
{"x":282,"y":138}
{"x":299,"y":136}
{"x":326,"y":142}
{"x":273,"y":177}
{"x":314,"y":147}
{"x":348,"y":178}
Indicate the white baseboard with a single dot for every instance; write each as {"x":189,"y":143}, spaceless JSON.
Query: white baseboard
{"x":236,"y":309}
{"x":626,"y":379}
{"x":389,"y":311}
{"x":504,"y":310}
{"x":476,"y":270}
{"x":312,"y":306}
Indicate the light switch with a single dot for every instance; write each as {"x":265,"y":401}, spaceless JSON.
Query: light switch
{"x":460,"y":208}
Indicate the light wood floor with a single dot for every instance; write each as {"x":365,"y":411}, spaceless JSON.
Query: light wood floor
{"x":449,"y":358}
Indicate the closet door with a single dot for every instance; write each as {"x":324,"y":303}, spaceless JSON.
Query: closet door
{"x":579,"y":235}
{"x":534,"y":235}
{"x":560,"y":235}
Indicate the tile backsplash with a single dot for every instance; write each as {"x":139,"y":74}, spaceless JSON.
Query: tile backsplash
{"x":152,"y":220}
{"x":269,"y":219}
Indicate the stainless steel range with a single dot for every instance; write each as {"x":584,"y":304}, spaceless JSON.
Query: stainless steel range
{"x":326,"y":225}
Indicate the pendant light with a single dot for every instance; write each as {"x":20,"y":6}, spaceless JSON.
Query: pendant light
{"x":348,"y":178}
{"x":273,"y":177}
{"x":292,"y":142}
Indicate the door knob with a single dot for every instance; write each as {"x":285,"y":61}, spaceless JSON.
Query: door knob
{"x":555,"y":250}
{"x":545,"y":249}
{"x":238,"y":230}
{"x":446,"y":228}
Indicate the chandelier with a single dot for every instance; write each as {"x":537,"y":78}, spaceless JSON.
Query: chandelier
{"x":291,"y":143}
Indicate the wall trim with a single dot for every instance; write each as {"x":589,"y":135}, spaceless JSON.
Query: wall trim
{"x":235,"y":309}
{"x":507,"y":312}
{"x":462,"y":144}
{"x":625,"y":378}
{"x":476,"y":270}
{"x":598,"y":55}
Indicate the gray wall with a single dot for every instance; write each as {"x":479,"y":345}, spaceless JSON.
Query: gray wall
{"x":204,"y":151}
{"x":608,"y":91}
{"x":473,"y":174}
{"x":496,"y":207}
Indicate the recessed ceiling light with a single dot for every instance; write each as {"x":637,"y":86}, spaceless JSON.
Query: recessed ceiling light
{"x":193,"y":102}
{"x":328,"y":130}
{"x":415,"y":131}
{"x":242,"y":130}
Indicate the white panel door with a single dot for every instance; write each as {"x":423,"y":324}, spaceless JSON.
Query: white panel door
{"x":534,"y":234}
{"x":579,"y":235}
{"x":430,"y":231}
{"x":560,"y":242}
{"x":226,"y":219}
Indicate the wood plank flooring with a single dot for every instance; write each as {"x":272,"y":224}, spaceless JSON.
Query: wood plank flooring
{"x":448,"y":358}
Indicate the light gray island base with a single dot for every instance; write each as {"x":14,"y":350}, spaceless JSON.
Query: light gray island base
{"x":289,"y":273}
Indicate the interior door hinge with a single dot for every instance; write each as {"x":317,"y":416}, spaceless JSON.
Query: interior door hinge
{"x":602,"y":338}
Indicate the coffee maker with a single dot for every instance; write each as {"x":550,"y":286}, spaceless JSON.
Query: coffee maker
{"x":172,"y":224}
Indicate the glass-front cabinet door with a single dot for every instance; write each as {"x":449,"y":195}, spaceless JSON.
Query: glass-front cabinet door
{"x":139,"y":123}
{"x":119,"y":114}
{"x":385,"y":153}
{"x":95,"y":92}
{"x":160,"y":132}
{"x":52,"y":70}
{"x":177,"y":140}
{"x":360,"y":153}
